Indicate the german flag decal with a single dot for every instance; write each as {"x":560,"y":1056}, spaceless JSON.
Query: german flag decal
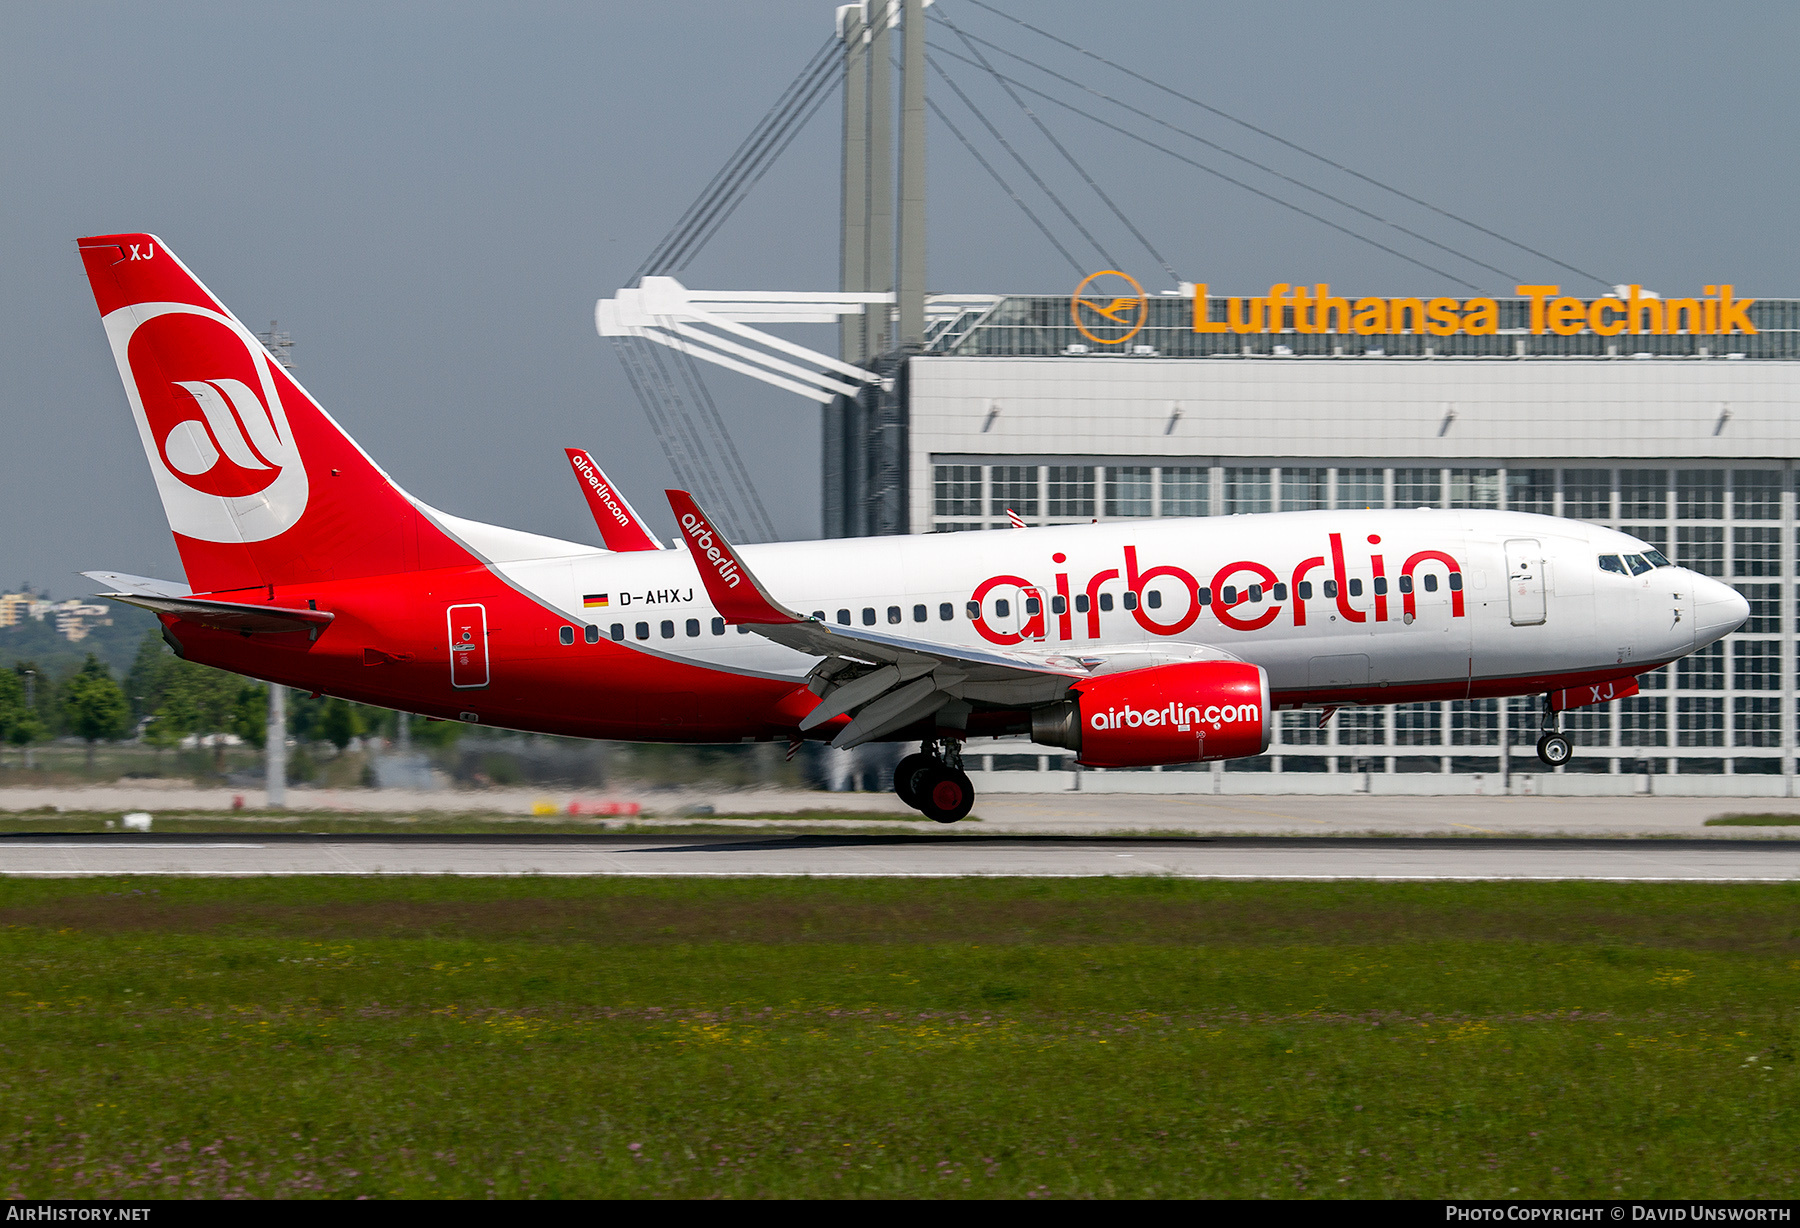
{"x":594,"y":601}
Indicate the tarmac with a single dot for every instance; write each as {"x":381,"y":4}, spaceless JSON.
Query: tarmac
{"x":927,"y":855}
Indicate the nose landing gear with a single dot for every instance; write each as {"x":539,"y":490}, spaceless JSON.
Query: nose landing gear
{"x":1552,"y":747}
{"x":934,"y":783}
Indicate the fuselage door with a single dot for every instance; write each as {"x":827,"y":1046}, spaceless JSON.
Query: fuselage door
{"x":1525,"y":581}
{"x":468,"y":646}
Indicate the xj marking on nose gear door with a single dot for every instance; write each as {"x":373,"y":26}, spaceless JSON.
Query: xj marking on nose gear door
{"x":468,"y":646}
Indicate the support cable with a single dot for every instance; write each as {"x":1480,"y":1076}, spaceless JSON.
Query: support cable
{"x":757,"y":521}
{"x":1201,"y":166}
{"x":1231,"y":153}
{"x":1297,"y":148}
{"x":1067,"y":156}
{"x":1004,"y":186}
{"x":1023,"y":164}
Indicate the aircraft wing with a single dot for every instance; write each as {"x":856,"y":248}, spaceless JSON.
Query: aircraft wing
{"x":888,"y":681}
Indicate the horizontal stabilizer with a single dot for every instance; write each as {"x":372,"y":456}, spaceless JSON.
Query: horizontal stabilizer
{"x":117,"y":582}
{"x":231,"y":615}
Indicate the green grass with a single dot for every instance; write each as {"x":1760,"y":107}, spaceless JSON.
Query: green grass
{"x":1755,"y":820}
{"x":429,"y":823}
{"x":467,"y":1037}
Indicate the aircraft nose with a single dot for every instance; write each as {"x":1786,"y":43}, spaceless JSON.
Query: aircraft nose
{"x":1719,"y":610}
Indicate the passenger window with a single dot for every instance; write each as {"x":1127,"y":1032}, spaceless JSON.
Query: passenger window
{"x":1256,"y":592}
{"x":1406,"y":584}
{"x":868,"y":616}
{"x":566,"y":635}
{"x":1228,"y":594}
{"x":1131,"y":601}
{"x":743,"y":630}
{"x":1205,"y":596}
{"x":643,"y":631}
{"x":1033,"y":606}
{"x":1002,"y":608}
{"x":1303,"y":590}
{"x":1381,"y":586}
{"x":1657,"y":558}
{"x":668,"y":628}
{"x":1106,"y":603}
{"x":591,"y":634}
{"x":1281,"y":592}
{"x":718,"y":626}
{"x":974,"y":610}
{"x":1638,"y":564}
{"x":1331,"y":588}
{"x":1456,"y":581}
{"x":893,"y":614}
{"x":1610,"y":562}
{"x":818,"y":616}
{"x":617,"y":631}
{"x":946,"y":612}
{"x":1154,"y":599}
{"x":693,"y":627}
{"x":844,"y":617}
{"x":1430,"y":583}
{"x":1356,"y":588}
{"x":920,"y":613}
{"x":1059,"y":605}
{"x":1081,"y":603}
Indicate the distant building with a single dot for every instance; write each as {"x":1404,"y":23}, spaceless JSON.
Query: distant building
{"x":73,"y":618}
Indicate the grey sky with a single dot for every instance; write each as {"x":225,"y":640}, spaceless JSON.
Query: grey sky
{"x":430,"y":197}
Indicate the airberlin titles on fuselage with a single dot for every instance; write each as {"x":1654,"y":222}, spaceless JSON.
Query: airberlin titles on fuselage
{"x":1234,"y":586}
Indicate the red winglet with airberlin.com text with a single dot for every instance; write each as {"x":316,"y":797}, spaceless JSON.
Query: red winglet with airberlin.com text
{"x":735,"y":593}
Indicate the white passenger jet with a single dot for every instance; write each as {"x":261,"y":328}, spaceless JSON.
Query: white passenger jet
{"x":1130,"y":643}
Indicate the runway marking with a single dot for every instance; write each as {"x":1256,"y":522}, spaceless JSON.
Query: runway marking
{"x":543,"y":873}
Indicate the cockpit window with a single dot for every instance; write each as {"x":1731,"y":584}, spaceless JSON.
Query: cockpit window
{"x":1610,"y":562}
{"x":1638,"y":564}
{"x":1657,"y":558}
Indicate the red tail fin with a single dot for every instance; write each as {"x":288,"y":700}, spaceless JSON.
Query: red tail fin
{"x":259,"y":484}
{"x":620,"y":525}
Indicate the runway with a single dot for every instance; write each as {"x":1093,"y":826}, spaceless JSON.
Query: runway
{"x":909,"y":856}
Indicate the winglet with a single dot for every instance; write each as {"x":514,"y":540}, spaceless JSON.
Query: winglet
{"x":735,"y":593}
{"x":620,"y":525}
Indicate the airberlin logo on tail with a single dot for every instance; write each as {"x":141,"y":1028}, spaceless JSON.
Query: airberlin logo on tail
{"x":594,"y":482}
{"x":720,"y":560}
{"x":209,"y":407}
{"x":1176,"y":714}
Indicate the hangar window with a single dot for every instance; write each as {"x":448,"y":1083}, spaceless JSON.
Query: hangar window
{"x":1059,"y":605}
{"x":1430,"y":583}
{"x":1033,"y":606}
{"x":946,"y":612}
{"x":566,"y":635}
{"x":1303,"y":590}
{"x":920,"y":613}
{"x":643,"y":631}
{"x":668,"y":628}
{"x":718,"y":627}
{"x":893,"y":614}
{"x":1081,"y":603}
{"x":1130,"y":600}
{"x":592,"y":634}
{"x":1128,"y":490}
{"x":1356,"y":588}
{"x":1185,"y":492}
{"x":617,"y":631}
{"x":693,"y":627}
{"x":868,"y":616}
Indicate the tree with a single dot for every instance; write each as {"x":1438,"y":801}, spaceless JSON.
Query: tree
{"x":341,"y":722}
{"x":94,"y":706}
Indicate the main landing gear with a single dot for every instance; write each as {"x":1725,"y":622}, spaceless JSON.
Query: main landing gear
{"x":934,"y":783}
{"x":1553,"y":748}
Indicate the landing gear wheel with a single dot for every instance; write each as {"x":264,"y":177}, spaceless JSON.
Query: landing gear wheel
{"x":946,"y":794}
{"x":906,"y":773}
{"x":1554,"y":749}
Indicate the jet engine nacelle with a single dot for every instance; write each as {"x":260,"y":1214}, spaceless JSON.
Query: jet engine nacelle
{"x":1181,"y":713}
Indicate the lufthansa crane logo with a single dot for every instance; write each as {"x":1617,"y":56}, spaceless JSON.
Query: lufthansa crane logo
{"x":1109,"y":307}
